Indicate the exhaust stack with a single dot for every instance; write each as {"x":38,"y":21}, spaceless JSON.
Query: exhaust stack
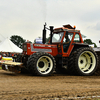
{"x":51,"y":31}
{"x":44,"y":34}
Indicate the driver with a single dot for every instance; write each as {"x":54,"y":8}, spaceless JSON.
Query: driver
{"x":66,"y":43}
{"x":67,"y":39}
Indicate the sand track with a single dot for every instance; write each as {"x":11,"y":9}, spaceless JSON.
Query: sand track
{"x":56,"y":87}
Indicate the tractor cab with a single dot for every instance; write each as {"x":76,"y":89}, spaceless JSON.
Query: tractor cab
{"x":66,"y":37}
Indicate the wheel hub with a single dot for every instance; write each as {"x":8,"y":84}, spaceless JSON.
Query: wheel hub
{"x":81,"y":62}
{"x":41,"y":64}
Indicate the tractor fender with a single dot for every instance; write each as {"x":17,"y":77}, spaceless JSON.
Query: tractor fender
{"x":78,"y":45}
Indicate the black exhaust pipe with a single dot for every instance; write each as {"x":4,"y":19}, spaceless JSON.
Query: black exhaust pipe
{"x":51,"y":31}
{"x":44,"y":35}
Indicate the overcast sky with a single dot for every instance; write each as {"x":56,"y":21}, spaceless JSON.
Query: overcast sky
{"x":27,"y":17}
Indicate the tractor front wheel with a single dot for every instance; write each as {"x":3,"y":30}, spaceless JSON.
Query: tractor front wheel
{"x":41,"y":63}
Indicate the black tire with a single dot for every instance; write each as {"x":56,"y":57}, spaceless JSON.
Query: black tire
{"x":41,"y":63}
{"x":83,"y":61}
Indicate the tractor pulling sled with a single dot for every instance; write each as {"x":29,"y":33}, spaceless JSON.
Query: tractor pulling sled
{"x":65,"y":51}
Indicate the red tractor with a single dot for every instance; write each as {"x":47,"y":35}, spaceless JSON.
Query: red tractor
{"x":65,"y":50}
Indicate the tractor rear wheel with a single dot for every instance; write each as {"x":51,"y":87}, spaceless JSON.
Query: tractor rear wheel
{"x":41,"y":63}
{"x":83,"y":61}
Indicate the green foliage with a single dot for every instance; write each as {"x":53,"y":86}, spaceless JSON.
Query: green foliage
{"x":17,"y":40}
{"x":89,"y":41}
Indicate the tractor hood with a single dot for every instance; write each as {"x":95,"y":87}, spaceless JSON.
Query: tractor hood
{"x":49,"y":48}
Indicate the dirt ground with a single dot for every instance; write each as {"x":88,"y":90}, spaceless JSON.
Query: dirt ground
{"x":56,"y":87}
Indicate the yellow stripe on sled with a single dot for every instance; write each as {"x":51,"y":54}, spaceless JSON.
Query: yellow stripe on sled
{"x":7,"y":58}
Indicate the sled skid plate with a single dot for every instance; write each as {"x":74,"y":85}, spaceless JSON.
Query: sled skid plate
{"x":12,"y":66}
{"x":12,"y":63}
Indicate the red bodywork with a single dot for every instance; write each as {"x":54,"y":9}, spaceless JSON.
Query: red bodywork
{"x":32,"y":48}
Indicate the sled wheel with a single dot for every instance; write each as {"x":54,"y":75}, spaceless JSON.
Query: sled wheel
{"x":41,"y":63}
{"x":83,"y":61}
